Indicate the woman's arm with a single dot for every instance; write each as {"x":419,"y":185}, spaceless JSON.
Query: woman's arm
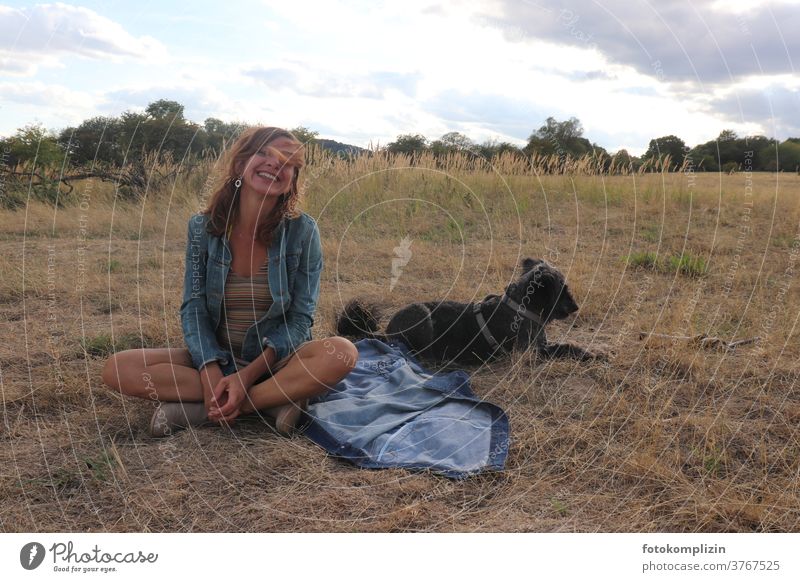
{"x":198,"y":332}
{"x":299,"y":317}
{"x":258,"y":367}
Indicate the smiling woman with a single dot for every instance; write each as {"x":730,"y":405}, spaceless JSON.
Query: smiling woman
{"x":251,"y":285}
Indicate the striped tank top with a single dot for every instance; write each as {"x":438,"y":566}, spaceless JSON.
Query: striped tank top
{"x":245,"y":301}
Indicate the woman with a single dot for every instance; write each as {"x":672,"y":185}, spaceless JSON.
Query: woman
{"x":253,"y":264}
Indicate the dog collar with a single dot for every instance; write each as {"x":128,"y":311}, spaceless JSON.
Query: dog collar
{"x":521,"y":310}
{"x":487,"y":335}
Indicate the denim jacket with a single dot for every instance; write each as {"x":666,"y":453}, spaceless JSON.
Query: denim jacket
{"x":391,"y":412}
{"x":295,"y":265}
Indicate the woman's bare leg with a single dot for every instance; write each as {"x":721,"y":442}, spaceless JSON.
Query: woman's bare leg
{"x":313,"y":369}
{"x":164,"y":374}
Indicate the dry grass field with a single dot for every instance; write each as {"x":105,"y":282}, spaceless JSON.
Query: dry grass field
{"x":667,"y":435}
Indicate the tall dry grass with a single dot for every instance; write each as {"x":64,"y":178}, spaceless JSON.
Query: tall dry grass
{"x":665,"y":436}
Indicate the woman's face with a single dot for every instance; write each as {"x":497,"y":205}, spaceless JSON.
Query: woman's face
{"x":270,"y":170}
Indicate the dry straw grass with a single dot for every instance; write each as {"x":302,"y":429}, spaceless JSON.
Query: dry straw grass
{"x":666,"y":436}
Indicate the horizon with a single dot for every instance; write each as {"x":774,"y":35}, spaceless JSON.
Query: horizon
{"x":429,"y":67}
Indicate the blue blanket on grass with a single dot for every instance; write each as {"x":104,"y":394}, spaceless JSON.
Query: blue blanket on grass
{"x":391,"y":412}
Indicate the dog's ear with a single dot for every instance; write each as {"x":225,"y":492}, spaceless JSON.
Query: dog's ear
{"x":529,"y":263}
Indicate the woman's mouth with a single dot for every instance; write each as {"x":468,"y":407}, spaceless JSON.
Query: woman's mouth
{"x":267,"y":175}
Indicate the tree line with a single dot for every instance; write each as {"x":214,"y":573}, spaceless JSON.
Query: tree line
{"x":103,"y":144}
{"x":728,"y":152}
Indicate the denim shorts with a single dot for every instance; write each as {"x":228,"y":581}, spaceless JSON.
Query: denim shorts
{"x":231,"y":367}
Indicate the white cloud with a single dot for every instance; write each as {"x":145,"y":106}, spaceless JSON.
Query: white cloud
{"x":199,"y":100}
{"x":41,"y":94}
{"x":55,"y":106}
{"x":306,"y":80}
{"x":34,"y":36}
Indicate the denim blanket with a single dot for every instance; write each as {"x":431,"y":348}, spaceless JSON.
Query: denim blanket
{"x":391,"y":412}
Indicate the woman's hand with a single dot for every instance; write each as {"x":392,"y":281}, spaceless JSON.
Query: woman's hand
{"x":210,"y":375}
{"x":227,"y":398}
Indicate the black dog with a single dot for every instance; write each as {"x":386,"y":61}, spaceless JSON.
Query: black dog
{"x":477,"y":332}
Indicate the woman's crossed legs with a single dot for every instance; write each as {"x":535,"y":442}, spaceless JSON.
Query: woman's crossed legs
{"x":167,"y":374}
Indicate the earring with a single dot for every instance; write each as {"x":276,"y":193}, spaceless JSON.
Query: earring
{"x":238,"y":183}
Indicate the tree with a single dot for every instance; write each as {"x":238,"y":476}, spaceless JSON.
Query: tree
{"x":408,"y":143}
{"x":160,"y":129}
{"x":789,"y":156}
{"x":450,"y":143}
{"x":456,"y":141}
{"x":669,"y":145}
{"x":731,"y":151}
{"x":491,"y":148}
{"x":562,"y":138}
{"x":94,"y":140}
{"x":765,"y":152}
{"x":35,"y":148}
{"x":218,"y":133}
{"x":165,"y":109}
{"x":305,"y":135}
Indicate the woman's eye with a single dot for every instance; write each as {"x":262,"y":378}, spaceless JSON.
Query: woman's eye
{"x":261,"y":154}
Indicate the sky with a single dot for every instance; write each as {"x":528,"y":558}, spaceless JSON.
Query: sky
{"x":365,"y":71}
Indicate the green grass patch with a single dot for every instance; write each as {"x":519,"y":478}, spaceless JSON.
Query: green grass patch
{"x":686,"y":264}
{"x":104,"y":345}
{"x":643,"y":260}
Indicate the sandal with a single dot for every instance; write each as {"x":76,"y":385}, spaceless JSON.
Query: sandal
{"x":286,"y":416}
{"x":172,"y":416}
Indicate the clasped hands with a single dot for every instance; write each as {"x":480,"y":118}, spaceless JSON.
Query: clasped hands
{"x":223,"y":395}
{"x":227,"y":398}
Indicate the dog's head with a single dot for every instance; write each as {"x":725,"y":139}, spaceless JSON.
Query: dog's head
{"x":542,"y":289}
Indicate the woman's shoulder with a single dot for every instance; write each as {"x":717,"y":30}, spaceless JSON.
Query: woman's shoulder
{"x":302,"y":221}
{"x":198,"y":219}
{"x":198,"y":224}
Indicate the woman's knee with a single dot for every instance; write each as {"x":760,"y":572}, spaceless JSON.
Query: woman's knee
{"x":119,"y":367}
{"x":110,"y":373}
{"x":341,"y":353}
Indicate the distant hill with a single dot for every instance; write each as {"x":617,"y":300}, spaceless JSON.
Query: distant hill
{"x":339,"y":148}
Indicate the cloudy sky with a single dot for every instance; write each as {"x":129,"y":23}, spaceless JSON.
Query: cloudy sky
{"x":364,"y":71}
